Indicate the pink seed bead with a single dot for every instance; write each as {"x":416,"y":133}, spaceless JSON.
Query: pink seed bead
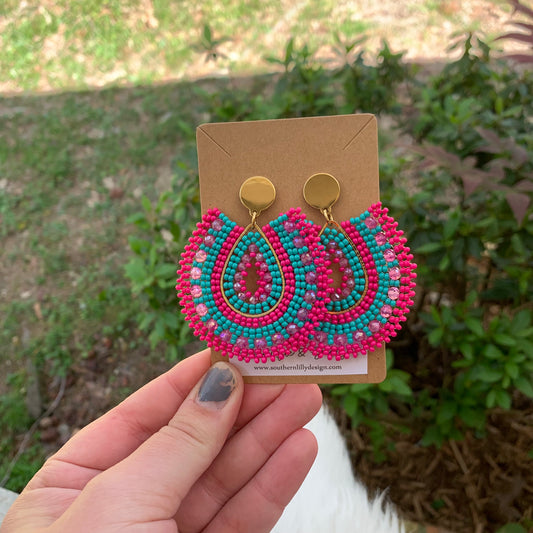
{"x":340,"y":339}
{"x":298,"y":242}
{"x":394,"y":273}
{"x":389,"y":255}
{"x":321,"y":337}
{"x":371,"y":222}
{"x":359,"y":336}
{"x":393,"y":293}
{"x":241,"y":342}
{"x":381,"y":239}
{"x":260,"y":343}
{"x":335,"y":296}
{"x":386,"y":311}
{"x":196,"y":273}
{"x":200,"y":256}
{"x":374,"y":326}
{"x":201,"y":309}
{"x":289,"y":226}
{"x":196,"y":291}
{"x":291,"y":329}
{"x":217,"y":224}
{"x":302,"y":314}
{"x":277,"y":338}
{"x":225,"y":336}
{"x":310,"y":297}
{"x":310,"y":277}
{"x":306,"y":258}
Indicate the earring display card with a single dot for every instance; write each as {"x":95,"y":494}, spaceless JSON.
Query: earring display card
{"x":288,"y":152}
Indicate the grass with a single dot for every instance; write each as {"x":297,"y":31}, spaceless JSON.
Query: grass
{"x":83,"y":43}
{"x":73,"y":168}
{"x":74,"y":165}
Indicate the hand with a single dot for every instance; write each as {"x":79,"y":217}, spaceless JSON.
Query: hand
{"x":194,"y":450}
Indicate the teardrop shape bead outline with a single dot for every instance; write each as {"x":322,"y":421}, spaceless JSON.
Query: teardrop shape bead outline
{"x":276,"y":334}
{"x":350,"y":335}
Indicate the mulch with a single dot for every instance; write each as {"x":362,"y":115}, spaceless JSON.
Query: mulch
{"x":474,"y":485}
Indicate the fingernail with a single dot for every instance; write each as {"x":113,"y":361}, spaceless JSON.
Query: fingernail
{"x":217,"y":385}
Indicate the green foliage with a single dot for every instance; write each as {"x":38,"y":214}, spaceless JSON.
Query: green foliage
{"x":512,"y":528}
{"x":163,"y":229}
{"x":308,"y":87}
{"x":16,"y":419}
{"x":363,"y":401}
{"x":467,"y":215}
{"x":469,"y":222}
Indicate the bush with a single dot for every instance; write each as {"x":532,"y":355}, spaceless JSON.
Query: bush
{"x":466,"y":211}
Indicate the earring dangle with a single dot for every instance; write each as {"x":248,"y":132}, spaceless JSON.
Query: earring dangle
{"x":374,"y":284}
{"x":253,"y":293}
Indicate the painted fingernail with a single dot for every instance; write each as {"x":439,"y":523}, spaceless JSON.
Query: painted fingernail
{"x":218,"y":384}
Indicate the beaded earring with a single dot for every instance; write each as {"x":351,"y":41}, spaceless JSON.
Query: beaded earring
{"x":376,"y":274}
{"x":253,"y":293}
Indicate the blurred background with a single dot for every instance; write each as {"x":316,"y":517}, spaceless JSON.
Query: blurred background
{"x":99,"y":101}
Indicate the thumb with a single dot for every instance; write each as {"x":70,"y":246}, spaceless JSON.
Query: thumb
{"x":156,"y":477}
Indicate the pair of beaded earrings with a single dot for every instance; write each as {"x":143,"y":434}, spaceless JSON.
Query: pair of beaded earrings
{"x":263,"y":293}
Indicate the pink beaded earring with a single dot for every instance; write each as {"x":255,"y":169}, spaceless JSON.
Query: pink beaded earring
{"x":253,"y":293}
{"x":375,"y":284}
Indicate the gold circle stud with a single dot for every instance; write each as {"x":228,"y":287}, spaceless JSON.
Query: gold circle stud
{"x":257,"y":194}
{"x":321,"y":191}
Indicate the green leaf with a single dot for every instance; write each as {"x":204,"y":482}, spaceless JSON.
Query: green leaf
{"x":475,"y":326}
{"x":429,"y":247}
{"x":340,"y":390}
{"x":446,"y":412}
{"x":165,"y":270}
{"x":351,"y":403}
{"x":467,"y":350}
{"x":511,"y":368}
{"x":486,"y":374}
{"x":136,"y":271}
{"x":472,"y":417}
{"x":503,"y":399}
{"x":432,"y":436}
{"x":523,"y":384}
{"x":492,"y":352}
{"x":512,"y":528}
{"x":521,"y":321}
{"x":504,"y":340}
{"x":435,"y":337}
{"x":451,"y":225}
{"x":147,"y":206}
{"x":397,"y":385}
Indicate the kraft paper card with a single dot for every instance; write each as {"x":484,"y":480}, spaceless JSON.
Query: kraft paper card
{"x":288,"y":152}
